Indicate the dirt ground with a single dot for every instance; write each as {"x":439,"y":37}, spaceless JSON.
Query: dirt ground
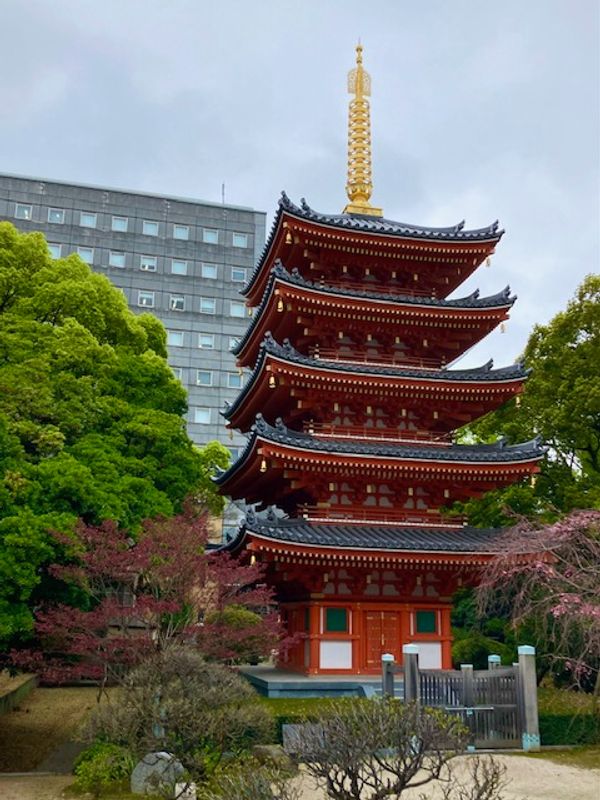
{"x":45,"y":720}
{"x":531,"y":779}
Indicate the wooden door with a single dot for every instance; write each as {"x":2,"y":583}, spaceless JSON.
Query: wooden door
{"x":382,"y":635}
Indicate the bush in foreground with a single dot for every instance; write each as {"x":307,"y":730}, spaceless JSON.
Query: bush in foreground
{"x":201,"y":713}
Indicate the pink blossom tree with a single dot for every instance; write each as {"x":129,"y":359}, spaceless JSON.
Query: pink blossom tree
{"x":549,"y":577}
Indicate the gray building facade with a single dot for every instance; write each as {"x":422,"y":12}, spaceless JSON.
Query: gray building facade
{"x":181,"y":259}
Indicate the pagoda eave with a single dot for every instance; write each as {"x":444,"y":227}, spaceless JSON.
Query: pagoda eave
{"x":278,"y":383}
{"x":294,"y":235}
{"x":325,"y":310}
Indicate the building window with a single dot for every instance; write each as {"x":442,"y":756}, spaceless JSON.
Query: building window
{"x":150,"y":228}
{"x":208,"y":305}
{"x":54,"y":249}
{"x":336,"y":620}
{"x":146,"y":299}
{"x":234,"y":380}
{"x":119,"y":224}
{"x":233,"y":342}
{"x":210,"y":236}
{"x":181,"y":232}
{"x":240,"y":240}
{"x":23,"y":211}
{"x":236,"y":309}
{"x":148,"y":263}
{"x":87,"y":219}
{"x":177,"y":302}
{"x":177,"y":372}
{"x":235,"y":453}
{"x":86,"y":254}
{"x":206,"y":341}
{"x":202,"y":416}
{"x":175,"y":338}
{"x":238,"y":274}
{"x":179,"y":267}
{"x":56,"y":216}
{"x":116,"y":259}
{"x":426,"y":621}
{"x":208,"y":270}
{"x":204,"y":377}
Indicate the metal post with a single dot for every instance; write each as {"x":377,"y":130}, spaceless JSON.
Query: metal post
{"x":387,"y":675}
{"x":528,"y":686}
{"x":468,"y":702}
{"x":494,"y":662}
{"x":410,"y":653}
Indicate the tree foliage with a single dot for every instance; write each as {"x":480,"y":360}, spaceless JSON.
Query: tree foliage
{"x":144,"y":596}
{"x":548,"y":576}
{"x":560,"y":403}
{"x":91,"y":423}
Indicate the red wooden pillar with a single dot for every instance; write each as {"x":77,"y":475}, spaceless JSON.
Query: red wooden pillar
{"x":314,"y":631}
{"x":446,"y":634}
{"x":357,"y":637}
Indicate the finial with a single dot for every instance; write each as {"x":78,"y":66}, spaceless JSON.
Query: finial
{"x":359,"y":185}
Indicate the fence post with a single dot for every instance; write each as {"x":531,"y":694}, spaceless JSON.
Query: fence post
{"x":410,"y":653}
{"x":528,"y":686}
{"x":467,"y":677}
{"x":387,"y":675}
{"x":494,"y":662}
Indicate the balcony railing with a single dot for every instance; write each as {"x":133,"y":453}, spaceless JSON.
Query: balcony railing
{"x":362,"y":432}
{"x":375,"y":360}
{"x":381,"y":516}
{"x":378,"y":288}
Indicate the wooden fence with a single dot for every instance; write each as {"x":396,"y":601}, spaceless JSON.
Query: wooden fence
{"x":498,"y":705}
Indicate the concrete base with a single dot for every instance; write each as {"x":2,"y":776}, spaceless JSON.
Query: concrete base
{"x":272,"y":682}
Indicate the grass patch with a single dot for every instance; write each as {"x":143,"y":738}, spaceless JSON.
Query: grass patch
{"x":566,"y":717}
{"x":45,"y":719}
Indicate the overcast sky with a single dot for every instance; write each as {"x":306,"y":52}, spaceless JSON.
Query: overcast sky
{"x":480,"y":110}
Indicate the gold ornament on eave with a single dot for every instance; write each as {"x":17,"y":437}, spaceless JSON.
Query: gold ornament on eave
{"x":359,"y":186}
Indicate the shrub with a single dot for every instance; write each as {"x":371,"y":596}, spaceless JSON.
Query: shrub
{"x":102,"y":765}
{"x":249,"y":783}
{"x":378,"y":748}
{"x":240,"y":632}
{"x":195,"y":710}
{"x":472,"y":647}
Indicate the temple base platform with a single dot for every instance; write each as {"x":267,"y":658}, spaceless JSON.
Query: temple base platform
{"x":270,"y":681}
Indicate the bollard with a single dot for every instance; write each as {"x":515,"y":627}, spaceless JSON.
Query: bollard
{"x":410,"y":654}
{"x":494,"y":661}
{"x":529,"y":704}
{"x":387,"y":675}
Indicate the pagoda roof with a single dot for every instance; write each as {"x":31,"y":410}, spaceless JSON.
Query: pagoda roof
{"x":497,"y":453}
{"x":279,"y":273}
{"x":361,"y":223}
{"x":286,"y":352}
{"x":297,"y":531}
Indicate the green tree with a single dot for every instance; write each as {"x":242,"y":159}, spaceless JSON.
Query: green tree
{"x":91,"y":417}
{"x":560,"y":403}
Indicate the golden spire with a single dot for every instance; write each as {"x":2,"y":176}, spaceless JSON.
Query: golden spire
{"x":359,"y":185}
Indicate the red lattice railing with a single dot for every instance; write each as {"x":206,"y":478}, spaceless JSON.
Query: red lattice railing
{"x":379,"y":360}
{"x":392,"y":435}
{"x":381,"y":516}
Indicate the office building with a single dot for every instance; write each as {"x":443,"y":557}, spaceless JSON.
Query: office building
{"x":183,"y":260}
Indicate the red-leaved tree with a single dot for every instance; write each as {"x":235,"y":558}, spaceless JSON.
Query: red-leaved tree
{"x":549,"y":578}
{"x":143,"y":594}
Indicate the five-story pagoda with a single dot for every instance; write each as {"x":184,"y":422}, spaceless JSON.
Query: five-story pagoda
{"x":350,"y":410}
